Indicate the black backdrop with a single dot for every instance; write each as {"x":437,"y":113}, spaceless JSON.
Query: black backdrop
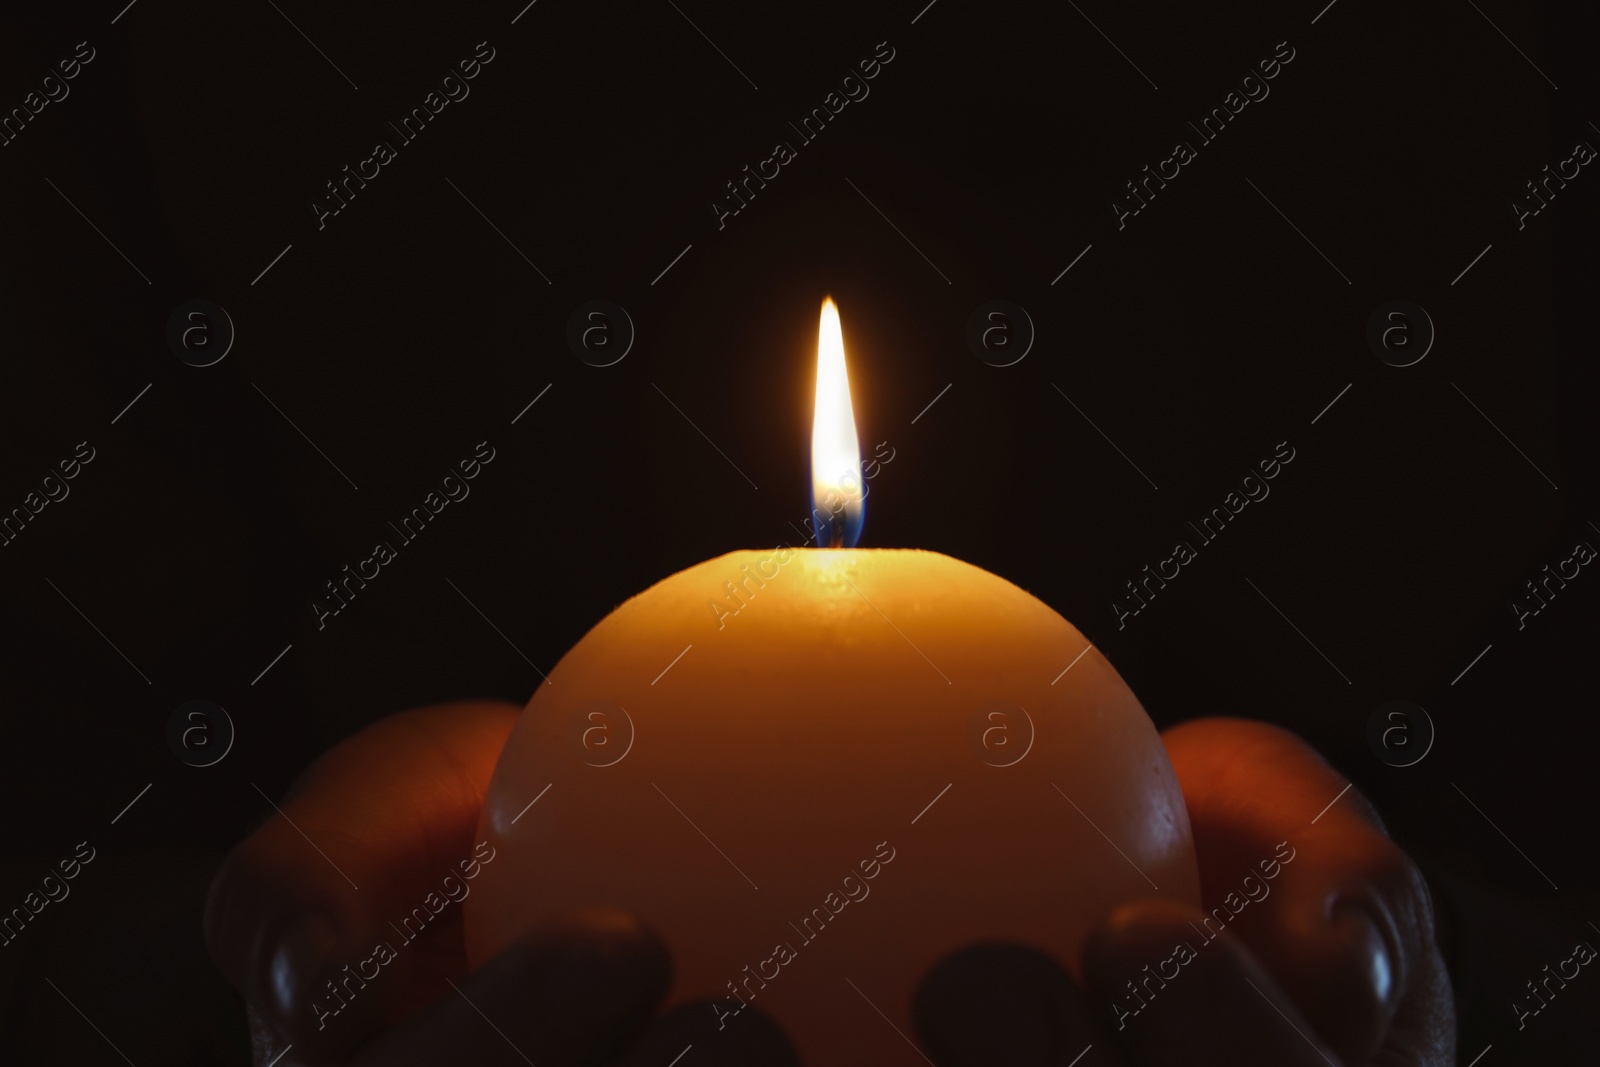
{"x":1220,"y":320}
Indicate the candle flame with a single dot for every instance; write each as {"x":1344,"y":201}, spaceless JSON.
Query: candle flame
{"x":837,"y":494}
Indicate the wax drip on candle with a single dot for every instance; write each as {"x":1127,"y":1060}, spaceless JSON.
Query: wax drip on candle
{"x":838,"y":497}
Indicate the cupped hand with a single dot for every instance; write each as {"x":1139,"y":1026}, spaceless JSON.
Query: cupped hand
{"x":1328,"y":961}
{"x":397,"y":805}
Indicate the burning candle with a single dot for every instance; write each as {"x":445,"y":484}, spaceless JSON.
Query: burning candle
{"x":863,"y":761}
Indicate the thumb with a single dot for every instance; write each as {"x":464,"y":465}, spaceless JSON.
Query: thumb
{"x":1297,"y":865}
{"x":371,"y":832}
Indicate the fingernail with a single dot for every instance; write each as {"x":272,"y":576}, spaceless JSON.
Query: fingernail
{"x":1368,"y":933}
{"x":301,"y":955}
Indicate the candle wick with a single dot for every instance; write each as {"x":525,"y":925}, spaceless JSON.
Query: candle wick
{"x":836,"y":525}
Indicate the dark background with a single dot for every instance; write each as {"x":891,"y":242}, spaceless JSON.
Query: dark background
{"x":408,"y":330}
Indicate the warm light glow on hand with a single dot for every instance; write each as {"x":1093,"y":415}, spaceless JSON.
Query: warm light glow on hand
{"x":837,"y":497}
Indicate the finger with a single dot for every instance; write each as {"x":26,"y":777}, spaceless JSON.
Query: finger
{"x":1303,"y":872}
{"x":366,"y":839}
{"x":1004,"y":1004}
{"x":569,"y":994}
{"x":719,"y":1036}
{"x":1210,"y":1005}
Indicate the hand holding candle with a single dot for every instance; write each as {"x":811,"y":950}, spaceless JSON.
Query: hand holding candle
{"x":866,"y":809}
{"x":400,"y":802}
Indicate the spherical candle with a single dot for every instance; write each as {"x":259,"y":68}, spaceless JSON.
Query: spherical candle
{"x":817,"y":772}
{"x":877,"y":760}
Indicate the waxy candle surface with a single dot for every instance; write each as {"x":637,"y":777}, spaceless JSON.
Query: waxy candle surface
{"x":743,"y":801}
